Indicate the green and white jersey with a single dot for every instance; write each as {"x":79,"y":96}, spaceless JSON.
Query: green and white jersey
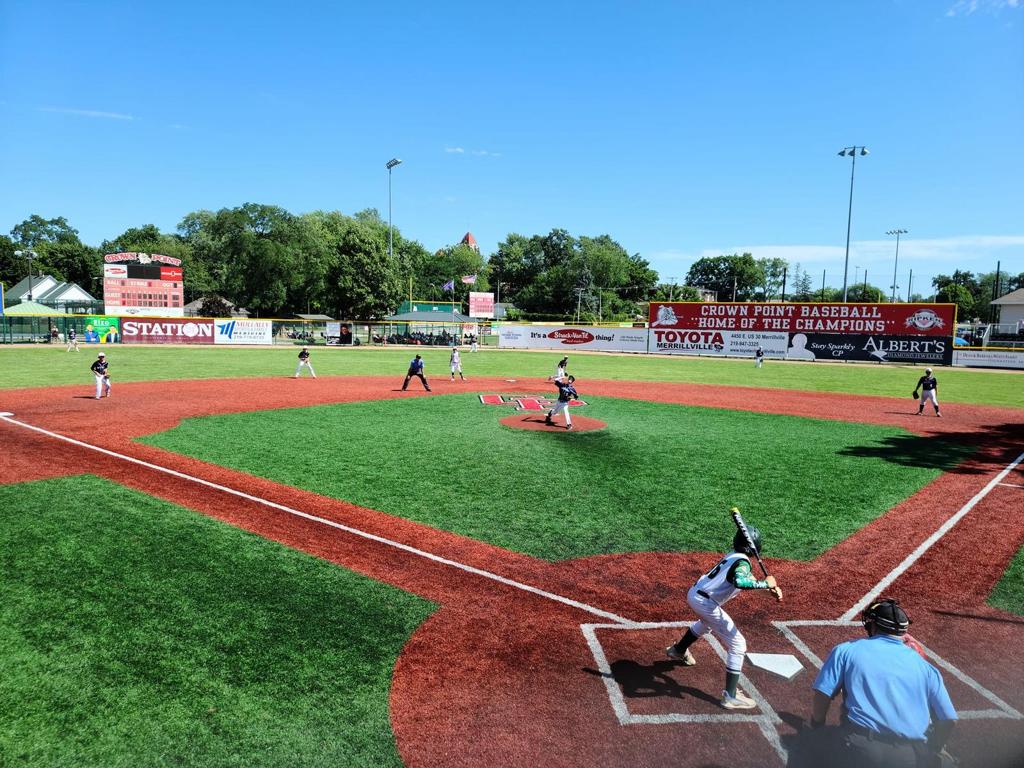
{"x":732,"y":574}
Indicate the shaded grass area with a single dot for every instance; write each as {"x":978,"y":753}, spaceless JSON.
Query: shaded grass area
{"x":136,"y":633}
{"x":1009,"y":592}
{"x":42,"y":365}
{"x":660,"y":478}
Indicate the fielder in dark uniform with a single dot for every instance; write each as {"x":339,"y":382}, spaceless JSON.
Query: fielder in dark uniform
{"x":566,"y":394}
{"x":415,"y":369}
{"x":72,"y":340}
{"x":99,"y":370}
{"x":929,"y":387}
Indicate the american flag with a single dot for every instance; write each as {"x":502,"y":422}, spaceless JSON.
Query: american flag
{"x":469,"y":279}
{"x":449,"y":286}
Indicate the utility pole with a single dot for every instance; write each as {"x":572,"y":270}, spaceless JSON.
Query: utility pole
{"x":672,"y":288}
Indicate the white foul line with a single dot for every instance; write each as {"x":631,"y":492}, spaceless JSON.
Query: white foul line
{"x":927,"y":543}
{"x":339,"y":526}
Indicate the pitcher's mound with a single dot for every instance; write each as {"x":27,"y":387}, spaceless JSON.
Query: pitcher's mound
{"x":535,"y":421}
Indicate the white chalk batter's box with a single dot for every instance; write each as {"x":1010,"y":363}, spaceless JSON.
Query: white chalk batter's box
{"x":527,"y":402}
{"x":645,"y":687}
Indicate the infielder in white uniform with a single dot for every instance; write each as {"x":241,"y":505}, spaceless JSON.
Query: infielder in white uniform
{"x":456,"y":364}
{"x":713,"y":590}
{"x":304,"y":361}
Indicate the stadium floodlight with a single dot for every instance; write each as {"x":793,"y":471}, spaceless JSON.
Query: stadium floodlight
{"x":850,"y":152}
{"x":896,"y":265}
{"x":390,"y":165}
{"x":29,"y":255}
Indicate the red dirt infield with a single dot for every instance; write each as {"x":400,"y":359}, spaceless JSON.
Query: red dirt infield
{"x":535,"y":422}
{"x":503,"y":673}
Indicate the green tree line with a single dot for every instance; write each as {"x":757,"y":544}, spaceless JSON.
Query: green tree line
{"x":273,"y":262}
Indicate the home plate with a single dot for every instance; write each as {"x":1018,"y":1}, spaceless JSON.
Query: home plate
{"x":782,"y":664}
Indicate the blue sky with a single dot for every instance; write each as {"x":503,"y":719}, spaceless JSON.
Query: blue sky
{"x":681,"y":129}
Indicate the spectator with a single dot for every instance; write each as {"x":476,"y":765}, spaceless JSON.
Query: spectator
{"x":896,"y":711}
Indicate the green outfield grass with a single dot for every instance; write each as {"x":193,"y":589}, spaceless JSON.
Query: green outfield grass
{"x":43,"y":365}
{"x":661,"y":477}
{"x":1009,"y":592}
{"x":135,"y":633}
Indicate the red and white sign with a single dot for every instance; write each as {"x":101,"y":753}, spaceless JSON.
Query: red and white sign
{"x":155,"y":330}
{"x":568,"y":337}
{"x":171,"y":273}
{"x":115,"y":271}
{"x":882,"y":319}
{"x":481,"y":304}
{"x":142,"y":258}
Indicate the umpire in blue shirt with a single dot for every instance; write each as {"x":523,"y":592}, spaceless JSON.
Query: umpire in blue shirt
{"x":896,"y":711}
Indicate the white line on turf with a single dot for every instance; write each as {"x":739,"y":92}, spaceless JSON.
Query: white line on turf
{"x":1012,"y":485}
{"x":323,"y":521}
{"x":925,"y":545}
{"x":767,"y":721}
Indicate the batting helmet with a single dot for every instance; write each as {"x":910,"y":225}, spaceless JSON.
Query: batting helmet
{"x":887,"y":616}
{"x":739,"y":544}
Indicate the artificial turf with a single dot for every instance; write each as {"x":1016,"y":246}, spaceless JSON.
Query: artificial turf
{"x":1009,"y":592}
{"x":136,"y":633}
{"x":659,"y":478}
{"x":43,"y":365}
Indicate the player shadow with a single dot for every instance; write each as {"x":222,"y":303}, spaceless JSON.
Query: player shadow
{"x":83,"y":397}
{"x":640,"y":681}
{"x":1008,"y":619}
{"x":926,"y":452}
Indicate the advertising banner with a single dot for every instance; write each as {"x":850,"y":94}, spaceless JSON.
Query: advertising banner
{"x":102,"y":330}
{"x":988,"y":358}
{"x":481,"y":304}
{"x":237,"y":331}
{"x":569,"y":337}
{"x":339,"y":333}
{"x":886,"y":319}
{"x":721,"y":343}
{"x":878,"y":349}
{"x":158,"y":330}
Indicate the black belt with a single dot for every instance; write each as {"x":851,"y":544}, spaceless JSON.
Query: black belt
{"x":885,"y":738}
{"x":704,"y":594}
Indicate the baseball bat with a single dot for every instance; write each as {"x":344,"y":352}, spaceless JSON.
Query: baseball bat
{"x":738,"y":519}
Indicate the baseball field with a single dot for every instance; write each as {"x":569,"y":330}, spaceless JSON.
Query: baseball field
{"x":222,"y":565}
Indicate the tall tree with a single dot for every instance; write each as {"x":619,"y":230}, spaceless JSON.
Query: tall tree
{"x":772,"y":271}
{"x":12,"y":268}
{"x":724,"y":273}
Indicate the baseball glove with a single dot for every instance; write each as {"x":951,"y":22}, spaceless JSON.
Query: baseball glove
{"x":914,"y":394}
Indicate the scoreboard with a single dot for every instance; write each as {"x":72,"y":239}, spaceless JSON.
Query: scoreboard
{"x":143,"y":284}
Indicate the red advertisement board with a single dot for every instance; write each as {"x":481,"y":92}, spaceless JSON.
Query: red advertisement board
{"x":887,"y":319}
{"x":163,"y":330}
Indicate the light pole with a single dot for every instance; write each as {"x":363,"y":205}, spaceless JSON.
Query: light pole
{"x":390,"y":165}
{"x":29,"y":255}
{"x":672,"y":289}
{"x":852,"y":153}
{"x":896,"y":232}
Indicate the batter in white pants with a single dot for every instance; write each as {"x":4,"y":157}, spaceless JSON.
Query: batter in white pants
{"x":715,"y":620}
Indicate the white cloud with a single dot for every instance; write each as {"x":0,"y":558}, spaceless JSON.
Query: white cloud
{"x":88,"y":113}
{"x":474,"y":152}
{"x":968,"y":7}
{"x":927,"y":257}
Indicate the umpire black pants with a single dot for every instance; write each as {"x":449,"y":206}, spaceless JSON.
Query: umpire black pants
{"x":420,"y":376}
